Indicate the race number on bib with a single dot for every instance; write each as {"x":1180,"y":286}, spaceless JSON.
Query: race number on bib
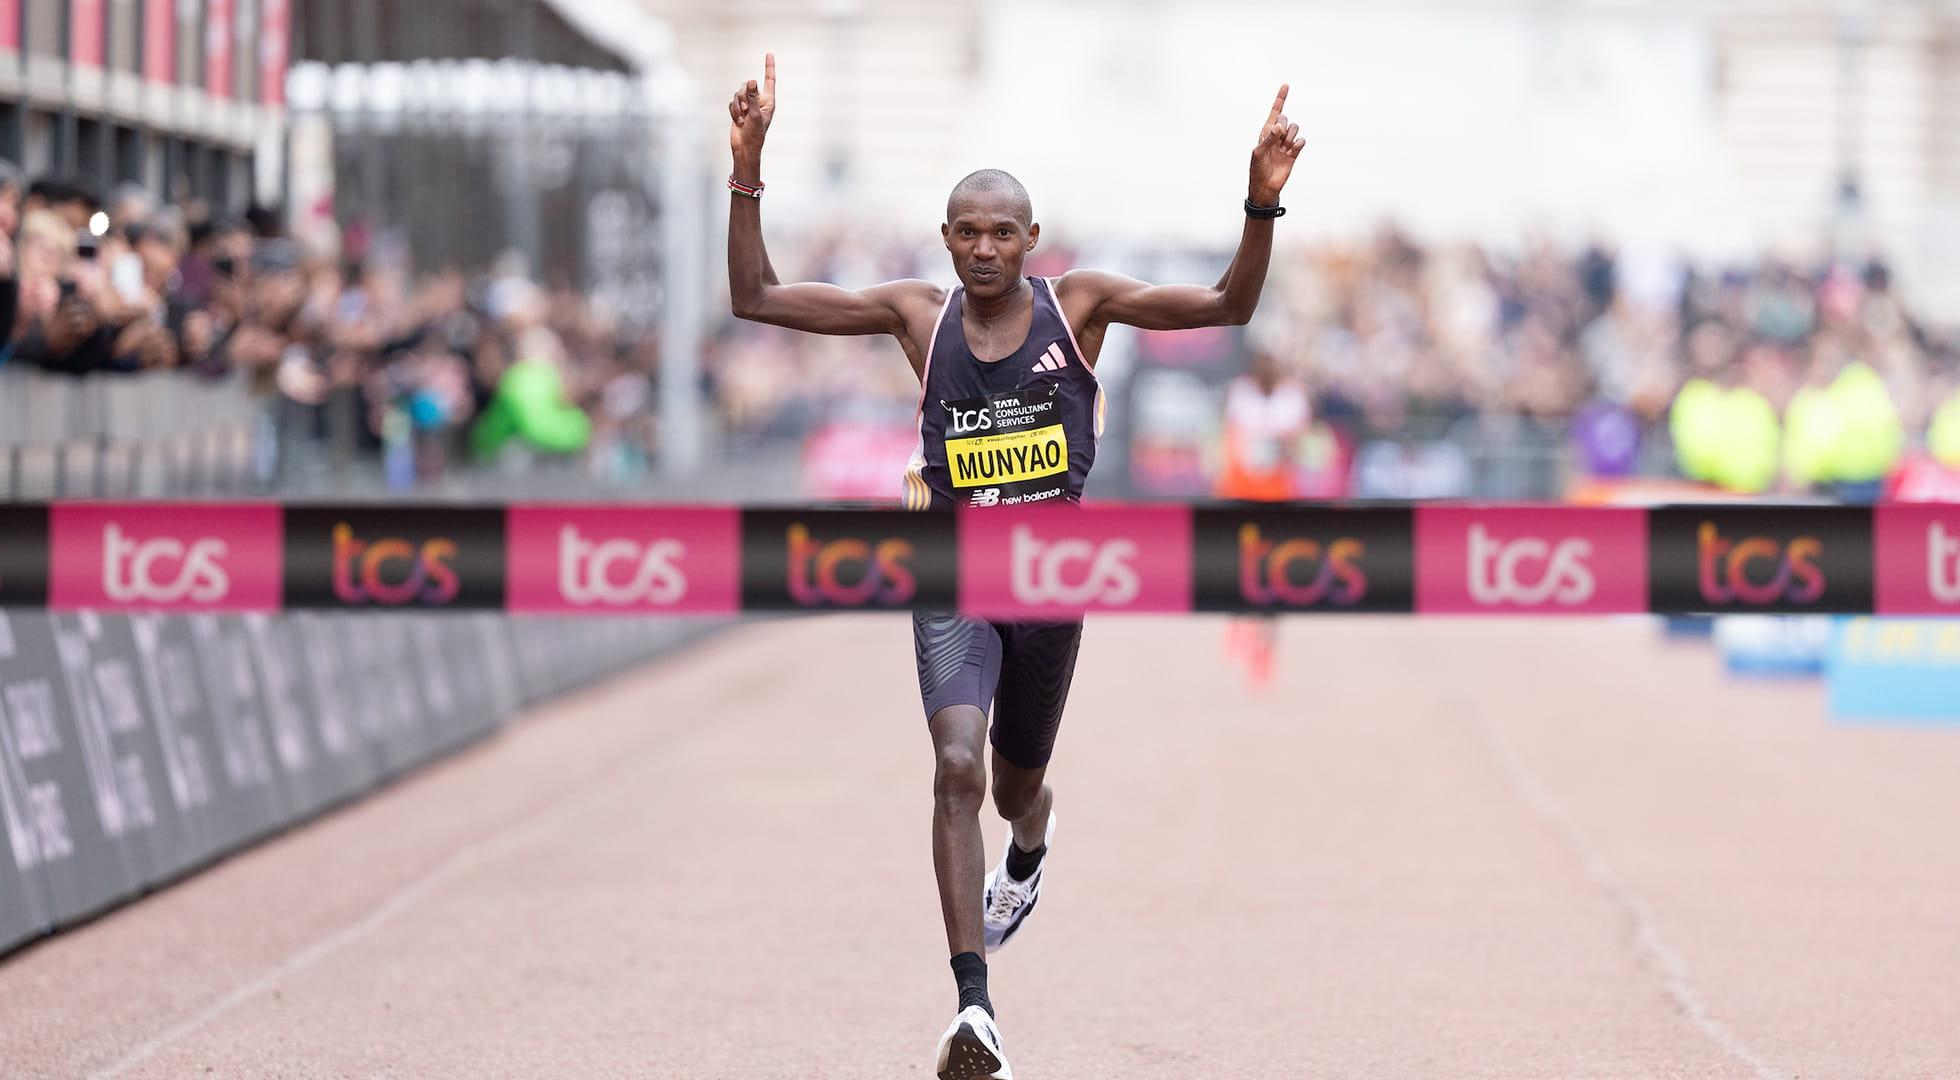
{"x":1008,"y":448}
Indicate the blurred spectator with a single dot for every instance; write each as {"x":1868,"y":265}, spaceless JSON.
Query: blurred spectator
{"x":358,"y":354}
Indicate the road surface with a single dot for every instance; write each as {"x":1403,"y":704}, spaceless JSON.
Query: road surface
{"x":1434,"y":849}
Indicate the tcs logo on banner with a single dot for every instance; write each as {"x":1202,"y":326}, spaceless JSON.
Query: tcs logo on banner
{"x":1943,"y":564}
{"x":1072,"y":571}
{"x":849,"y":572}
{"x":1330,"y":573}
{"x":162,"y":569}
{"x":1756,"y":569}
{"x":619,"y":572}
{"x":1531,"y":560}
{"x":392,"y":571}
{"x":219,"y":556}
{"x":1529,"y":571}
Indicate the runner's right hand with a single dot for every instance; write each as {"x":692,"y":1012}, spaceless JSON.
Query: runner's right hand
{"x":751,"y":109}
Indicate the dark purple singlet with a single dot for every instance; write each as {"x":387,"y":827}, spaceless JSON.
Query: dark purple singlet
{"x":1017,"y":431}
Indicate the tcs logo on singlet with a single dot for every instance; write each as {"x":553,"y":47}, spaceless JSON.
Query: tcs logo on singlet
{"x":967,"y":420}
{"x":392,"y":571}
{"x":223,"y":556}
{"x":849,"y":572}
{"x":1300,"y":572}
{"x":1757,"y":570}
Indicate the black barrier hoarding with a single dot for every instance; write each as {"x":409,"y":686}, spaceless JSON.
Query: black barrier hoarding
{"x":23,"y":556}
{"x":347,"y":763}
{"x":404,"y":558}
{"x":1728,"y":558}
{"x":31,"y":809}
{"x":841,"y":560}
{"x":305,"y":769}
{"x":249,"y":784}
{"x":88,"y":770}
{"x":1326,"y":559}
{"x":136,"y":748}
{"x":386,"y":710}
{"x":493,"y":646}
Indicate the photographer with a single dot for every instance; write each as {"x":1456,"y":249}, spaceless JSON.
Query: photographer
{"x":77,"y":316}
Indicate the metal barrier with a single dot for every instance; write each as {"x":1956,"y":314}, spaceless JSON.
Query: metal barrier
{"x":149,"y":435}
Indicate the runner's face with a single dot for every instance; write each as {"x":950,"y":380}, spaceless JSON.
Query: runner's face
{"x":988,"y":241}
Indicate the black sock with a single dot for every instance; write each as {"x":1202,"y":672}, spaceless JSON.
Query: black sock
{"x":1021,"y":865}
{"x":970,"y":971}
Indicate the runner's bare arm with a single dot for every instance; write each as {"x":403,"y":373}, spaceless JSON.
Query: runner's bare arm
{"x":753,"y":290}
{"x":1105,"y":298}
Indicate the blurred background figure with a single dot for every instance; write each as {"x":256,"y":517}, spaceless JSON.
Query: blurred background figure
{"x":1266,"y":419}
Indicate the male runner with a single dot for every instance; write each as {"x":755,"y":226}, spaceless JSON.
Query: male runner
{"x":1025,"y":349}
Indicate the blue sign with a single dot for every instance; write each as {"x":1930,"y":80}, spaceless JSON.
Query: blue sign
{"x":1895,"y":669}
{"x":1773,"y":646}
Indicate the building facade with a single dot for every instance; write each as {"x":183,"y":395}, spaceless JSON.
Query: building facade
{"x":184,"y":97}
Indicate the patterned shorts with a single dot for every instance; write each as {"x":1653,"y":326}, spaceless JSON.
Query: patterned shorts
{"x":1022,"y":670}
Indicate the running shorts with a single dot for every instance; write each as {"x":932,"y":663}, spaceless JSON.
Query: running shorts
{"x":1022,"y":670}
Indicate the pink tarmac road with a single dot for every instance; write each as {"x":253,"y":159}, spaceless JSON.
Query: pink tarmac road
{"x":1436,"y":849}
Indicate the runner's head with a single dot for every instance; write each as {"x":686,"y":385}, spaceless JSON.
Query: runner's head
{"x":989,"y":230}
{"x":1263,"y":367}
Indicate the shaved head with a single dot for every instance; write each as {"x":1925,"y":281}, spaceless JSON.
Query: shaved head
{"x":991,"y":182}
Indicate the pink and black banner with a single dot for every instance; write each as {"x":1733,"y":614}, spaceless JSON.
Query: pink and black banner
{"x":1033,"y":563}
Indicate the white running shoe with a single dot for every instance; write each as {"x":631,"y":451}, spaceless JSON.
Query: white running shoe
{"x":970,"y":1049}
{"x":1007,"y":902}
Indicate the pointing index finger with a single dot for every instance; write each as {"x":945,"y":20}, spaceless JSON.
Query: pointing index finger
{"x":1279,"y":103}
{"x":769,"y":73}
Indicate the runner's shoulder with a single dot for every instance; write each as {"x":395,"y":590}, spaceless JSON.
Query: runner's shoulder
{"x":1082,"y":291}
{"x":1089,"y":284}
{"x":910,"y":297}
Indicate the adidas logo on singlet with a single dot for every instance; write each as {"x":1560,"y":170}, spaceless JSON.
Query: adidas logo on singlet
{"x":1052,"y":360}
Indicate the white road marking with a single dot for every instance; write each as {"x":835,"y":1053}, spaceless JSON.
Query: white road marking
{"x":1652,"y":947}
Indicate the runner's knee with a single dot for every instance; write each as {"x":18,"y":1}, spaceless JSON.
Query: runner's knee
{"x":959,"y":784}
{"x":1015,"y":792}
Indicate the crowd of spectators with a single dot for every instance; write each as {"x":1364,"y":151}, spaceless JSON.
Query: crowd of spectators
{"x":1389,"y":330}
{"x":1397,"y":339}
{"x":1393,"y":338}
{"x":436,"y":368}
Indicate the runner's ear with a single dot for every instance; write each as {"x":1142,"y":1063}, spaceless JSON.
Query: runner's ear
{"x":1034,"y":235}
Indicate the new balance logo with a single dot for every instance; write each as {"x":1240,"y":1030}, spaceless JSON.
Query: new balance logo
{"x":1052,"y":360}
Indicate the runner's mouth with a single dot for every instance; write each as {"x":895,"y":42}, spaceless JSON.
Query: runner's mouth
{"x":984,"y":272}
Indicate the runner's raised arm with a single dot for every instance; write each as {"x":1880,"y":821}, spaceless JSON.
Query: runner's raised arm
{"x":1096,"y":298}
{"x":753,"y":290}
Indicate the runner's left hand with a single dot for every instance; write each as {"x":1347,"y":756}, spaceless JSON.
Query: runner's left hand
{"x":1279,"y":147}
